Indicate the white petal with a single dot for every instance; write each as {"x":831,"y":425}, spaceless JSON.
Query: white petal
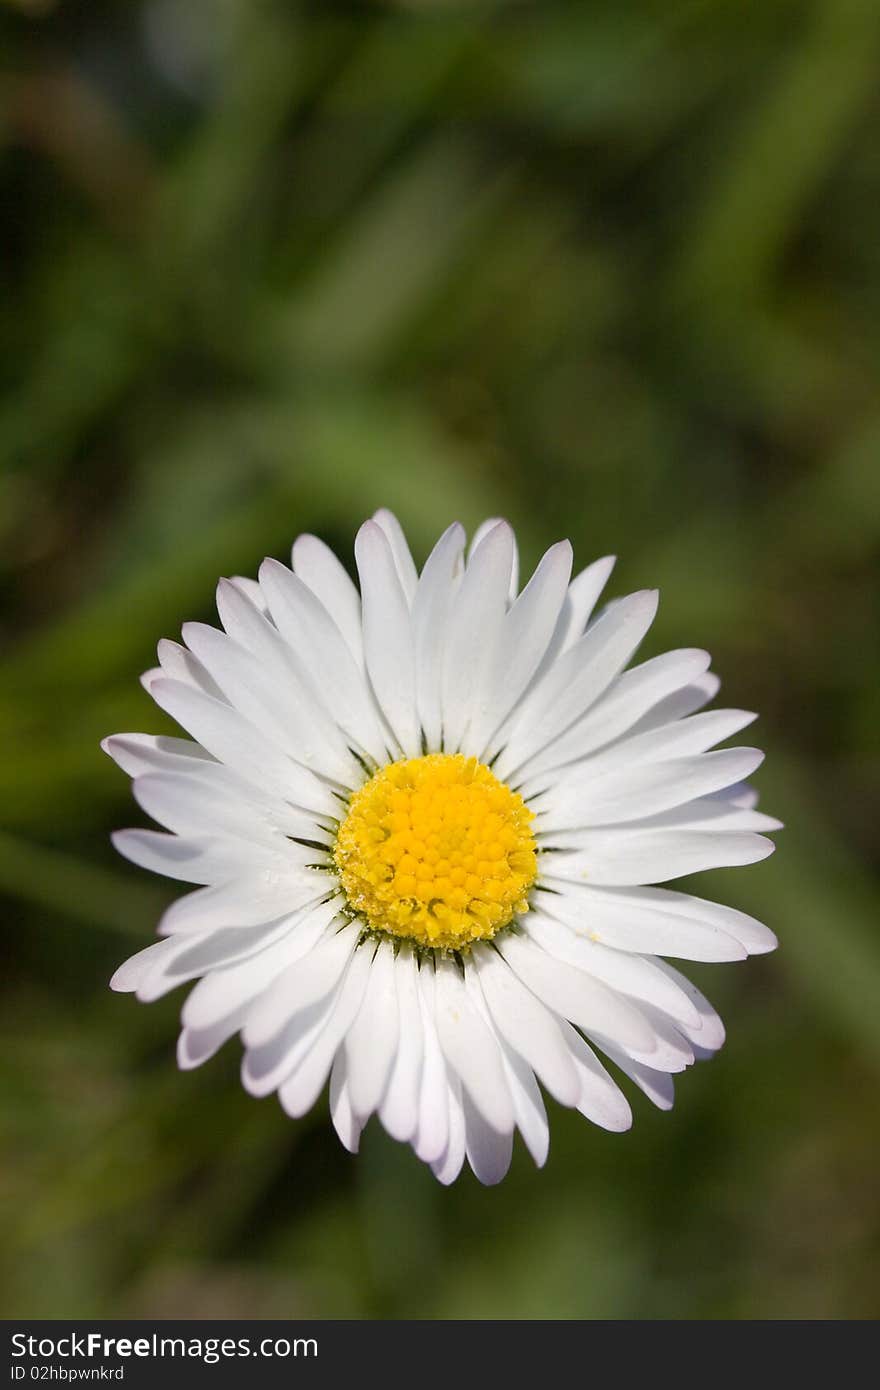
{"x":680,"y":703}
{"x":710,"y":1034}
{"x":399,"y":1111}
{"x":251,"y":590}
{"x":617,"y":919}
{"x":447,"y":1168}
{"x":743,"y":796}
{"x":570,"y":625}
{"x":192,"y":859}
{"x":601,"y":1100}
{"x":218,"y":993}
{"x":753,"y":935}
{"x":638,"y":977}
{"x":191,"y":954}
{"x":658,"y":1086}
{"x":488,"y":1152}
{"x":616,"y":714}
{"x":682,"y":738}
{"x":626,"y":857}
{"x":127,"y":978}
{"x":709,"y":812}
{"x":575,"y":995}
{"x":526,"y":1024}
{"x":233,"y":740}
{"x":473,"y":633}
{"x":470,"y":1049}
{"x":295,"y":1052}
{"x":196,"y":1046}
{"x":249,"y":623}
{"x":316,"y":645}
{"x":178,"y":664}
{"x":632,"y":793}
{"x":155,"y":673}
{"x":388,"y":643}
{"x":672,"y":1050}
{"x":300,"y":986}
{"x":403,"y":559}
{"x":140,"y":753}
{"x":583,"y":595}
{"x":246,"y":902}
{"x":482,"y":531}
{"x":528,"y":1107}
{"x":371,"y":1043}
{"x":318,"y":567}
{"x":286,"y":709}
{"x":207,"y":801}
{"x":432,"y":1133}
{"x":345,"y":1122}
{"x":523,"y":639}
{"x":430,"y":617}
{"x":578,"y":678}
{"x":301,"y":1088}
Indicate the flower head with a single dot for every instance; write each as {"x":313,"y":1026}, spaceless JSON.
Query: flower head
{"x":423,"y":816}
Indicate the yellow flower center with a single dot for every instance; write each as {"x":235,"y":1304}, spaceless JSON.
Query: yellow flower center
{"x":436,"y":849}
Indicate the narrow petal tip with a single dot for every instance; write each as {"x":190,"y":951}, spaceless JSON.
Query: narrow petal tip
{"x":269,"y":568}
{"x":149,"y":678}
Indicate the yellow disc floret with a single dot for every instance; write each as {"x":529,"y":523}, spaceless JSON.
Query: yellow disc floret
{"x":436,"y":849}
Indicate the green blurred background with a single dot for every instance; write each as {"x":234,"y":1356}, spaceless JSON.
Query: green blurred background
{"x":610,"y":269}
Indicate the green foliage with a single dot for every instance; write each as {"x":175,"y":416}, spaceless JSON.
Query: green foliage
{"x":612,"y":271}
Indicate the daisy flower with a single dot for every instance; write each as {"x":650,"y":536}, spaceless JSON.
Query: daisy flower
{"x":423,"y":815}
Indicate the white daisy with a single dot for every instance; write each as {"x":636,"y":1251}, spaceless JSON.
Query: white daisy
{"x":423,"y":816}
